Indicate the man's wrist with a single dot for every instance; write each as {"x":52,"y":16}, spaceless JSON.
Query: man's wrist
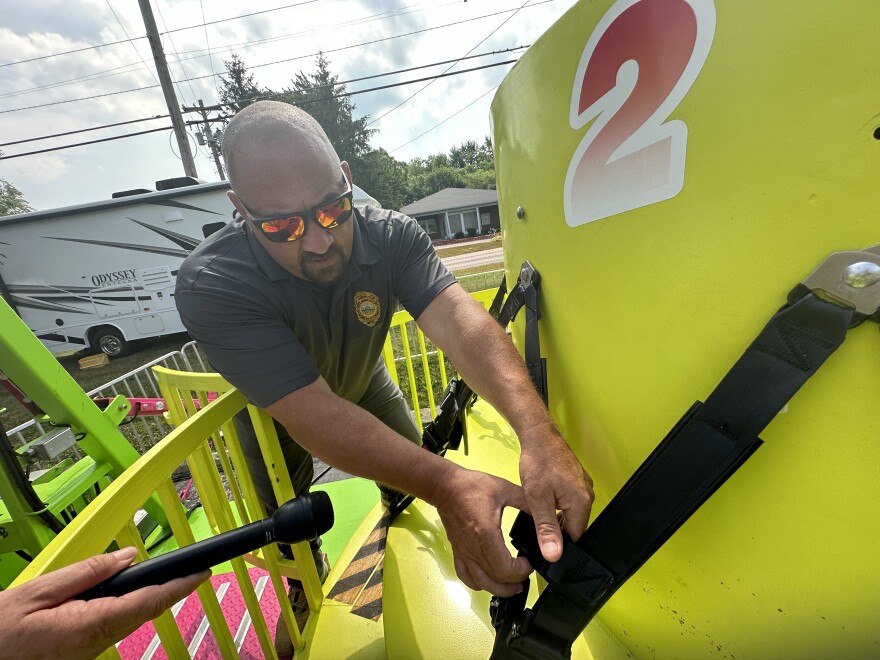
{"x":535,"y":431}
{"x":443,"y":480}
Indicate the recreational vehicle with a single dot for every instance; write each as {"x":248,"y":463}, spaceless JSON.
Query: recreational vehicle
{"x":101,"y":275}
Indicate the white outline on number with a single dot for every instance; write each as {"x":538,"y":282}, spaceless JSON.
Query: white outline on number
{"x":653,"y":130}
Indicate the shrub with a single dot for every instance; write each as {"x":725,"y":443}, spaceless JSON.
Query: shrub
{"x":458,"y":234}
{"x":472,"y":232}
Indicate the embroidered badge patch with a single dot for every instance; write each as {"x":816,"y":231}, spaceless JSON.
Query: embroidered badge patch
{"x":366,"y":304}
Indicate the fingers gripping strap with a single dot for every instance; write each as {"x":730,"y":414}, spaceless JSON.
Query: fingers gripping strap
{"x":701,"y":452}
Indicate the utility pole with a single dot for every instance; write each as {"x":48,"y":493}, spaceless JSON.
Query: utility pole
{"x":189,"y":165}
{"x":211,"y":140}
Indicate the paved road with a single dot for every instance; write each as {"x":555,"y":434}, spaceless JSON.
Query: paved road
{"x":483,"y":258}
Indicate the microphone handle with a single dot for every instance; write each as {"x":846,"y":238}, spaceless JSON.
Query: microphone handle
{"x":190,"y":559}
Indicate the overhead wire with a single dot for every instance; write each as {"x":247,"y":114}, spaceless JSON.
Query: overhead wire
{"x":491,"y":89}
{"x":125,"y":32}
{"x":274,"y":95}
{"x":96,"y":75}
{"x":290,"y":59}
{"x":122,"y":41}
{"x":208,"y":44}
{"x":309,"y":102}
{"x":261,"y":97}
{"x":84,"y":130}
{"x":340,"y":83}
{"x":179,"y":61}
{"x":406,"y":100}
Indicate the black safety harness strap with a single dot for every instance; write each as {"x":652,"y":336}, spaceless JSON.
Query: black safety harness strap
{"x":699,"y":454}
{"x":525,"y":294}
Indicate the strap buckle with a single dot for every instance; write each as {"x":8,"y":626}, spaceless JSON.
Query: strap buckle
{"x":848,"y":279}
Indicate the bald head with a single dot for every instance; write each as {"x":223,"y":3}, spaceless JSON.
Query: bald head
{"x":268,"y":134}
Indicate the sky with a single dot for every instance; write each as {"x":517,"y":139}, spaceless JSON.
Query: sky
{"x":446,"y":113}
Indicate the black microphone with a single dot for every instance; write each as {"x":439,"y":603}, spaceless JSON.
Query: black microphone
{"x":301,"y":519}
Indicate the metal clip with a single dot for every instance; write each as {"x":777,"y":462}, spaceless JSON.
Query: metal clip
{"x":850,"y":279}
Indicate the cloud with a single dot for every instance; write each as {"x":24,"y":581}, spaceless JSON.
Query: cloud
{"x":92,"y":172}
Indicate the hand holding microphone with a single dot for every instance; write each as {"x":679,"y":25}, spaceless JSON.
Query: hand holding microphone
{"x":301,"y":519}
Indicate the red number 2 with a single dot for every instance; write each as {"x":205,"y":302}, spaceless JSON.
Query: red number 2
{"x":637,"y":66}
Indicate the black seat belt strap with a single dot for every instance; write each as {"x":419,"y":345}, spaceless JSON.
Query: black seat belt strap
{"x":703,"y":449}
{"x":498,"y":300}
{"x":526,"y":293}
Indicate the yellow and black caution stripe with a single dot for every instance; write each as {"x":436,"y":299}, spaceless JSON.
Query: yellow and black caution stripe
{"x":361,"y":583}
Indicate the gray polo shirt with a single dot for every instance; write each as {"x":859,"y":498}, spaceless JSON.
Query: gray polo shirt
{"x":270,"y":333}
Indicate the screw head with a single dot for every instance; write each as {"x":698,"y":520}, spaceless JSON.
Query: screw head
{"x":520,"y":212}
{"x":861,"y":274}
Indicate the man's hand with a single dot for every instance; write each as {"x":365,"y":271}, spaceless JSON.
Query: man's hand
{"x":470,"y":507}
{"x":40,"y":620}
{"x":553,"y":478}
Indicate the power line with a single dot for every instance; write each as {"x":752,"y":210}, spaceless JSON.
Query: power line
{"x":208,"y":44}
{"x":69,"y":52}
{"x":85,"y":130}
{"x":445,"y":120}
{"x":256,"y":98}
{"x":43,"y":105}
{"x":125,"y":32}
{"x":84,"y":98}
{"x":96,"y":75}
{"x":122,"y":41}
{"x":308,"y":102}
{"x":397,"y":36}
{"x":291,"y":59}
{"x":340,"y":83}
{"x":179,"y":61}
{"x":408,"y":99}
{"x":81,"y":144}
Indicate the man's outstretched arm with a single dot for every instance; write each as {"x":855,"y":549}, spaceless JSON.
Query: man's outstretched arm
{"x":469,"y":502}
{"x":552,"y":477}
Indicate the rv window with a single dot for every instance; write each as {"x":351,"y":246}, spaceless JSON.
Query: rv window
{"x":207,"y":230}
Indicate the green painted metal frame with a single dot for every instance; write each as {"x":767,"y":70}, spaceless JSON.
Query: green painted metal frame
{"x":27,"y":363}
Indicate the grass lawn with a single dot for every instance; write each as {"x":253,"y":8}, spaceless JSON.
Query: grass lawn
{"x":455,"y":250}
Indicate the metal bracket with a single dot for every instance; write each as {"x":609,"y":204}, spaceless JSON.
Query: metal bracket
{"x":849,"y":279}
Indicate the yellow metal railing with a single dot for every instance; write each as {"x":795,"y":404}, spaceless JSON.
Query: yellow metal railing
{"x":205,"y":429}
{"x":110,"y":516}
{"x":417,"y":366}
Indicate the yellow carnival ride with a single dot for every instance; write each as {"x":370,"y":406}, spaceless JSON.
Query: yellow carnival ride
{"x":689,"y":185}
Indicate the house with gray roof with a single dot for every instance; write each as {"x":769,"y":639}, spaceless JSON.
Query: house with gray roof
{"x":452,"y":211}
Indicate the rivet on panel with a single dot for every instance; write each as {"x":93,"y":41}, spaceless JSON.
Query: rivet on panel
{"x":862,"y":274}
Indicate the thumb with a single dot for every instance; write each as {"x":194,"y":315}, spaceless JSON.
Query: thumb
{"x":547,"y":527}
{"x":59,"y":586}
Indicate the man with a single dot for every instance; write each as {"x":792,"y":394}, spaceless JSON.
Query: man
{"x":292,"y":301}
{"x":41,"y":618}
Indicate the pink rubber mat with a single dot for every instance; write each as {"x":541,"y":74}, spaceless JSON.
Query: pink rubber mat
{"x":144,"y":644}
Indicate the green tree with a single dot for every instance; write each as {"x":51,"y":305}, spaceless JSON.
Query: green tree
{"x":12,"y":201}
{"x":383,"y":177}
{"x":321,"y":95}
{"x":469,"y":165}
{"x":238,"y":88}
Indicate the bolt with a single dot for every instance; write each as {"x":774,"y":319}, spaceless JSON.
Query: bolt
{"x":520,"y":212}
{"x":862,"y":274}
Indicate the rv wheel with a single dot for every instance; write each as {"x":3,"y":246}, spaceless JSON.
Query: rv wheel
{"x":111,"y":342}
